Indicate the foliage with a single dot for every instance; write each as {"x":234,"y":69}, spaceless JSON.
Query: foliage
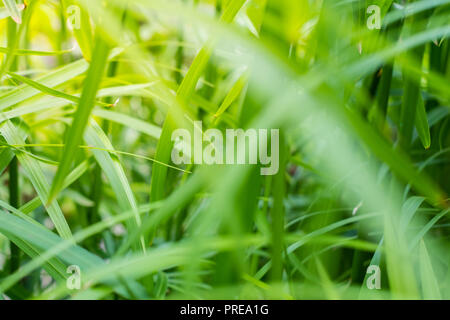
{"x":91,"y":92}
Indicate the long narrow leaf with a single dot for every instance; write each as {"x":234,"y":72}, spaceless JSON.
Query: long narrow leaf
{"x":81,"y":117}
{"x":37,"y":178}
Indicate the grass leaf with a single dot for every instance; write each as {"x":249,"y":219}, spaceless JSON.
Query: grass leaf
{"x":422,"y":126}
{"x":430,"y":286}
{"x":37,"y":178}
{"x":81,"y":117}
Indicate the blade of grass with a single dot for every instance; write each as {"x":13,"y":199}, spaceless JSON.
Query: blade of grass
{"x":45,"y":240}
{"x":15,"y":39}
{"x":52,"y":79}
{"x":131,"y":122}
{"x":430,"y":286}
{"x":397,"y":161}
{"x":409,"y":209}
{"x":75,"y":132}
{"x":392,"y":33}
{"x":174,"y":202}
{"x":26,"y":52}
{"x":184,"y":92}
{"x":415,"y":241}
{"x":422,"y":126}
{"x":51,"y":91}
{"x":5,"y":158}
{"x":74,"y":175}
{"x":62,"y":246}
{"x":54,"y":267}
{"x":411,"y":91}
{"x":37,"y":178}
{"x":402,"y":279}
{"x":14,"y":199}
{"x":277,"y":214}
{"x":113,"y":169}
{"x":232,"y":94}
{"x":327,"y":284}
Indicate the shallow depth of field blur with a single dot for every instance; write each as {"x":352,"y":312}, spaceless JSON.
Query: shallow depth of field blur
{"x":91,"y":206}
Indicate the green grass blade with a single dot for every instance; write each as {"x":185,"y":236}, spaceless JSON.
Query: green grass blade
{"x":129,"y":121}
{"x":54,"y":267}
{"x":327,"y":284}
{"x":174,"y":202}
{"x":113,"y":169}
{"x":412,"y":93}
{"x":409,"y":110}
{"x":6,"y":156}
{"x":26,"y":52}
{"x":52,"y":79}
{"x":37,"y":178}
{"x":81,"y":117}
{"x":231,"y":10}
{"x":184,"y":93}
{"x":397,"y":161}
{"x":232,"y":95}
{"x":402,"y":279}
{"x":45,"y":240}
{"x":409,"y":209}
{"x":278,"y":215}
{"x":50,"y":91}
{"x":430,"y":286}
{"x":422,"y":126}
{"x":76,"y":173}
{"x":416,"y":240}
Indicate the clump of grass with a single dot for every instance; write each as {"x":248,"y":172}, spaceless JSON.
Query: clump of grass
{"x":90,"y":98}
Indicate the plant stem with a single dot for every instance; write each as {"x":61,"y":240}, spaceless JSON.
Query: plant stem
{"x":14,"y":201}
{"x":278,"y":212}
